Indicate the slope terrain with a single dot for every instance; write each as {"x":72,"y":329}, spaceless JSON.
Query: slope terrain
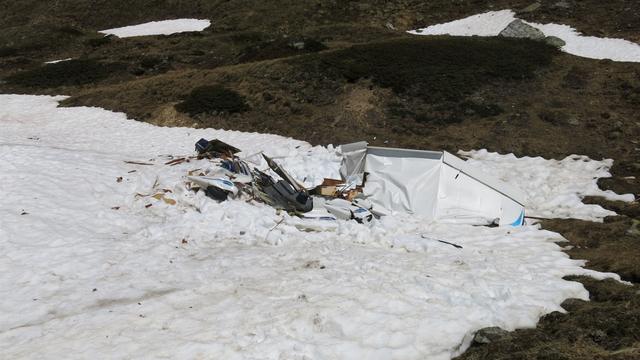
{"x":340,"y":71}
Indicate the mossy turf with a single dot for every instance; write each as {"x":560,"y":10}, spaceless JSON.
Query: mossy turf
{"x":65,"y":73}
{"x":212,"y":99}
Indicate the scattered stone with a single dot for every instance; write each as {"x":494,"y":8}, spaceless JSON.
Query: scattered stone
{"x":519,"y":29}
{"x":299,"y":45}
{"x":563,"y":4}
{"x":573,"y":121}
{"x":490,"y":334}
{"x":531,"y":8}
{"x":555,"y":41}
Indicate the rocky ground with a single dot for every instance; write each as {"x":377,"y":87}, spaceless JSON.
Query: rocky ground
{"x":340,"y":71}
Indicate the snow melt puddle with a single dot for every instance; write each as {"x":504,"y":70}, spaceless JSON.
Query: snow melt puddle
{"x":493,"y":22}
{"x":165,"y":27}
{"x":89,"y":267}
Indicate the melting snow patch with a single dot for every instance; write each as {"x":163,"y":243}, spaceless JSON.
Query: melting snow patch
{"x":165,"y":27}
{"x":493,"y":22}
{"x":93,"y":263}
{"x":57,"y":61}
{"x":554,"y":188}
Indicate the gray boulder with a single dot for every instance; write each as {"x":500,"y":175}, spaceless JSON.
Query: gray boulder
{"x":555,"y":41}
{"x":490,"y":334}
{"x":563,"y":4}
{"x":518,"y":29}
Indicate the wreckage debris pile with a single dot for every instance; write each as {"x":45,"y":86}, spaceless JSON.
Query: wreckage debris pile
{"x":232,"y":177}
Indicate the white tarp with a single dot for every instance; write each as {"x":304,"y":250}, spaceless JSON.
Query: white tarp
{"x":432,"y":183}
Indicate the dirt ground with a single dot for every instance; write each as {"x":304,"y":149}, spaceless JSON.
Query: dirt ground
{"x":358,"y":76}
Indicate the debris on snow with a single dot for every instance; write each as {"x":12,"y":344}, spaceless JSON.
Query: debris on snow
{"x":437,"y":185}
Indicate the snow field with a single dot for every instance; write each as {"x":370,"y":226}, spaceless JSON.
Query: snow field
{"x":88,"y":267}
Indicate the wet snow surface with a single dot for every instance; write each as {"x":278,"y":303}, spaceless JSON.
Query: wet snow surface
{"x":165,"y":27}
{"x":493,"y":22}
{"x":88,"y":267}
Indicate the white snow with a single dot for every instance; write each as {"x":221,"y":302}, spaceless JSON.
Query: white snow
{"x":554,"y":188}
{"x":165,"y":27}
{"x":57,"y":61}
{"x":486,"y":24}
{"x":493,"y":22}
{"x":237,"y":280}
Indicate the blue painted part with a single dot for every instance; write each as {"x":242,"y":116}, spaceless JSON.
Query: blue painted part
{"x":520,"y":220}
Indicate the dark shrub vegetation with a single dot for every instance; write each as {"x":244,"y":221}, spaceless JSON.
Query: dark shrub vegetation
{"x":71,"y":72}
{"x":8,"y":51}
{"x":273,"y":49}
{"x":99,"y":41}
{"x":441,"y":68}
{"x":212,"y":99}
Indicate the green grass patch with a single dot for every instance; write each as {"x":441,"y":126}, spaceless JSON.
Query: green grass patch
{"x":66,"y":73}
{"x":212,"y":99}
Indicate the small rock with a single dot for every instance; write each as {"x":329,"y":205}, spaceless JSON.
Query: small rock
{"x":299,"y":45}
{"x":488,"y":335}
{"x":573,"y":121}
{"x":531,"y":8}
{"x":390,"y":26}
{"x":555,"y":41}
{"x":563,"y":4}
{"x":518,"y":29}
